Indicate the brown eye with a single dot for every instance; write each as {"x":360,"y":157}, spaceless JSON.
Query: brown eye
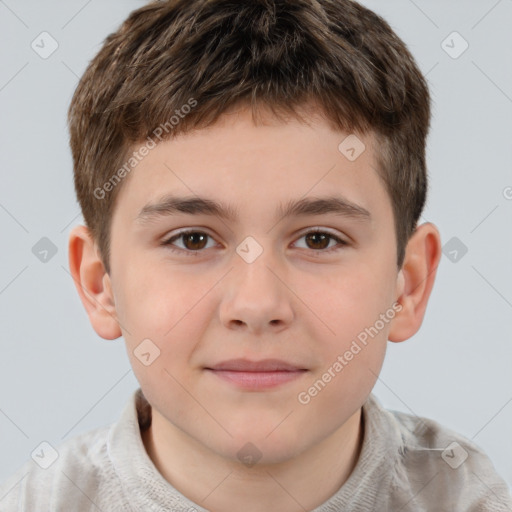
{"x":319,"y":241}
{"x":192,"y":242}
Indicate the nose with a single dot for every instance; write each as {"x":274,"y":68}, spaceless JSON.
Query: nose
{"x":257,"y":297}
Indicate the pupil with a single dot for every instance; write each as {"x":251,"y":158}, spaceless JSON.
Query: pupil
{"x":319,"y":235}
{"x":192,"y":237}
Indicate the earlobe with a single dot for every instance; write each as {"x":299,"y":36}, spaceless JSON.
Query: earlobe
{"x":415,"y":281}
{"x":93,"y":283}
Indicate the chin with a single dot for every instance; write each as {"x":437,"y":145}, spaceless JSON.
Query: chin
{"x":255,"y":447}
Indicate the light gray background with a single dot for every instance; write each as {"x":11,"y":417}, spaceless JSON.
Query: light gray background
{"x":59,"y":379}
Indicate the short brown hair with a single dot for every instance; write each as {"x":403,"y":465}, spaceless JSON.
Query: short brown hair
{"x":282,"y":54}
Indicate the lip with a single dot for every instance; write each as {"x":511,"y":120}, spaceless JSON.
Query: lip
{"x":265,"y":365}
{"x":256,"y":375}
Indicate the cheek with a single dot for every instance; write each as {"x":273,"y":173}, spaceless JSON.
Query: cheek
{"x":162,"y":314}
{"x":352,"y":334}
{"x":162,"y":305}
{"x":348,"y":302}
{"x":174,"y":308}
{"x":351,"y":340}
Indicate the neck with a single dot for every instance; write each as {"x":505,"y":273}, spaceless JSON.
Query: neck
{"x":222,"y":485}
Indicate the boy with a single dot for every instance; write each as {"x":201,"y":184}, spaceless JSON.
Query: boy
{"x":251,"y":174}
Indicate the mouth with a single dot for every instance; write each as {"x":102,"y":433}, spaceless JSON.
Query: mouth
{"x":256,"y":375}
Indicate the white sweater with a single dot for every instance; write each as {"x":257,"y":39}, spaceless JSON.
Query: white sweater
{"x":407,"y":464}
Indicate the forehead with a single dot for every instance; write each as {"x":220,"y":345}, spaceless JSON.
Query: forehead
{"x":247,"y":167}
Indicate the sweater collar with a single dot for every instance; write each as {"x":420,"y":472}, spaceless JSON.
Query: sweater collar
{"x":146,"y":488}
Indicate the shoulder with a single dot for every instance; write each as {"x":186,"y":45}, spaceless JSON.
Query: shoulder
{"x":70,"y":473}
{"x":439,"y":469}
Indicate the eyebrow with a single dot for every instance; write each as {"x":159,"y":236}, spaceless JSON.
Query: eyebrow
{"x":172,"y":205}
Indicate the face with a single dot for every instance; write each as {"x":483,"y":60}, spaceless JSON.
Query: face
{"x":235,"y":278}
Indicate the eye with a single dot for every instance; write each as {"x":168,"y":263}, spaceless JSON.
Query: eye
{"x":193,"y":242}
{"x":319,"y":240}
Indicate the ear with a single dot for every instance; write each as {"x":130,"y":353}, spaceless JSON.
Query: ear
{"x":415,"y":281}
{"x":93,"y":283}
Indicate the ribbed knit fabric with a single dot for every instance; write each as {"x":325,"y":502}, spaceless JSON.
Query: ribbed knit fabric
{"x":406,"y":464}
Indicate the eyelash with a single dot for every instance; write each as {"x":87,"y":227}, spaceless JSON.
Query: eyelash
{"x":168,"y":242}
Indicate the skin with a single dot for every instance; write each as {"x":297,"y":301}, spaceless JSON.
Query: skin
{"x":296,"y":302}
